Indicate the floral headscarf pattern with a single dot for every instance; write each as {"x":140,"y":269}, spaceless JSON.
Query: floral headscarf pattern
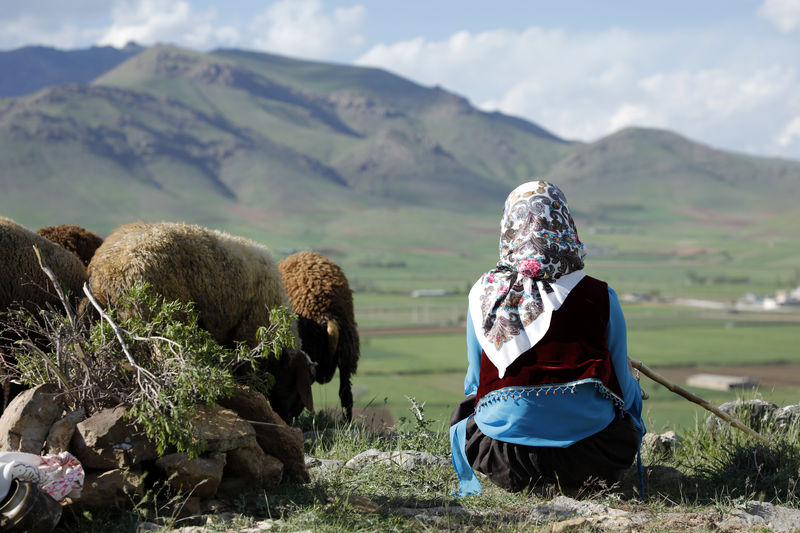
{"x":539,"y":245}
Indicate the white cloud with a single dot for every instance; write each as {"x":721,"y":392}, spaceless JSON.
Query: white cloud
{"x":790,"y":134}
{"x":302,"y":28}
{"x":174,"y":21}
{"x":27,"y":30}
{"x":784,"y":14}
{"x":707,"y":85}
{"x":51,"y":22}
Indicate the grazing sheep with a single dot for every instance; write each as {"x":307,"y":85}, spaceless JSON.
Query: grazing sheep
{"x":23,"y":283}
{"x":80,"y":241}
{"x":22,"y":279}
{"x":321,"y":297}
{"x":232,"y":281}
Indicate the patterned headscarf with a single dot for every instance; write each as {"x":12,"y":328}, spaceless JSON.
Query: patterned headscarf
{"x":541,"y":260}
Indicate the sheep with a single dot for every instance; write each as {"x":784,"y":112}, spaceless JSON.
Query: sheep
{"x":76,"y":239}
{"x":24,"y":284}
{"x":321,"y":296}
{"x":232,"y":281}
{"x":23,"y":280}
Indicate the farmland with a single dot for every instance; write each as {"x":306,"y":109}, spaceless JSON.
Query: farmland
{"x":674,"y":341}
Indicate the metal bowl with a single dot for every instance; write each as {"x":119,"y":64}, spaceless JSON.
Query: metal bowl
{"x":28,"y":508}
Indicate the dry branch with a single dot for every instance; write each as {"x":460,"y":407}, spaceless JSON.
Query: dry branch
{"x":658,"y":378}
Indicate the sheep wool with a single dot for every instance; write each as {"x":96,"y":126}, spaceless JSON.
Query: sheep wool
{"x":80,"y":241}
{"x":232,"y":281}
{"x":320,"y":295}
{"x":22,"y":279}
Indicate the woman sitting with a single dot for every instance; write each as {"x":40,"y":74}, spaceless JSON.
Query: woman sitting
{"x":550,"y":395}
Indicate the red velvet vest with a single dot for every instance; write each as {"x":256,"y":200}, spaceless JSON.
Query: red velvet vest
{"x":573,"y":348}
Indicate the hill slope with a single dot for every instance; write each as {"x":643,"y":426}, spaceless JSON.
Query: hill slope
{"x":319,"y":153}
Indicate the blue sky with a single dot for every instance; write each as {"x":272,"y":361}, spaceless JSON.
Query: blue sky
{"x":723,"y":72}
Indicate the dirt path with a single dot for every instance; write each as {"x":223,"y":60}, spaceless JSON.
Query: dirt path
{"x":776,"y":375}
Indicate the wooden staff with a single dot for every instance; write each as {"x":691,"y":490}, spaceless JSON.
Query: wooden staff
{"x":658,"y":378}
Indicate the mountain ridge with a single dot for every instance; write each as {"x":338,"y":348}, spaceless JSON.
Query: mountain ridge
{"x":209,"y":135}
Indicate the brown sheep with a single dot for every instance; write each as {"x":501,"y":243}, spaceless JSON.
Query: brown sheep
{"x":232,"y":281}
{"x":22,"y":281}
{"x":321,"y":296}
{"x":80,"y":241}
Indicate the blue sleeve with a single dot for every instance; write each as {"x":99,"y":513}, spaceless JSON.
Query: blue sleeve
{"x":473,"y":359}
{"x":616,"y":337}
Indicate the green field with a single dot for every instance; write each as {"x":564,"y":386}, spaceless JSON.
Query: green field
{"x":430,"y":368}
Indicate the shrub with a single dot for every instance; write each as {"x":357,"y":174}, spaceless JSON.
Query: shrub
{"x":149,"y":355}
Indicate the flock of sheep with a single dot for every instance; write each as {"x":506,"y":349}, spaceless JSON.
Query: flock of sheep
{"x":233,"y":282}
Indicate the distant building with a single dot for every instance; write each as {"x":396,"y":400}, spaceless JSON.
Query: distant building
{"x":429,"y":292}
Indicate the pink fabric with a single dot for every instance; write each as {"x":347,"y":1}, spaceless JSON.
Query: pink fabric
{"x":65,"y":476}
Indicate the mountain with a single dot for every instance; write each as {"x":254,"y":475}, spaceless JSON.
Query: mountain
{"x":31,"y":68}
{"x":315,"y":152}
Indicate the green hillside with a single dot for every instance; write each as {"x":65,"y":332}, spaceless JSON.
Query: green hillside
{"x":402,"y":184}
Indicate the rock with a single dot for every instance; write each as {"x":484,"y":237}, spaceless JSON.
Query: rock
{"x":574,"y":515}
{"x":60,"y":434}
{"x":787,"y":416}
{"x":778,"y":517}
{"x":221,"y":429}
{"x":285,"y":443}
{"x":324,"y":465}
{"x":563,"y":508}
{"x":402,"y":458}
{"x":755,"y":414}
{"x":111,"y":488}
{"x":251,"y":405}
{"x":738,"y":520}
{"x":199,"y":477}
{"x":572,"y":524}
{"x":106,"y":440}
{"x":260,"y":470}
{"x":192,"y":506}
{"x":27,"y":419}
{"x":435,"y":511}
{"x":660,"y":444}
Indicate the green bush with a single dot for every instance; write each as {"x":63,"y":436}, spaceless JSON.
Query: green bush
{"x":148,"y":354}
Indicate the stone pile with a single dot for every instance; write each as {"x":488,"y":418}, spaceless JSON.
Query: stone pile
{"x":757,"y":415}
{"x":247,"y":446}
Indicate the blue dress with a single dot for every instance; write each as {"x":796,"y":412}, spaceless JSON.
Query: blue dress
{"x":550,"y":415}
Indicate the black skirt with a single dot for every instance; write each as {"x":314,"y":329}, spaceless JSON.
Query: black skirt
{"x":601,"y":458}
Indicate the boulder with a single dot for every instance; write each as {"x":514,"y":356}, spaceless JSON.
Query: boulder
{"x":221,"y":429}
{"x":251,"y":405}
{"x":403,"y":458}
{"x":260,"y":470}
{"x":60,"y":434}
{"x":324,"y":465}
{"x":110,"y":488}
{"x":780,"y":518}
{"x":27,"y":419}
{"x":106,"y":440}
{"x":198,"y":477}
{"x":286,"y":444}
{"x":755,"y":414}
{"x":787,"y":416}
{"x":659,"y":445}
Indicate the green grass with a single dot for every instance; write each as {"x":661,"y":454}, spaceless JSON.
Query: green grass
{"x":431,"y":368}
{"x":721,"y":470}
